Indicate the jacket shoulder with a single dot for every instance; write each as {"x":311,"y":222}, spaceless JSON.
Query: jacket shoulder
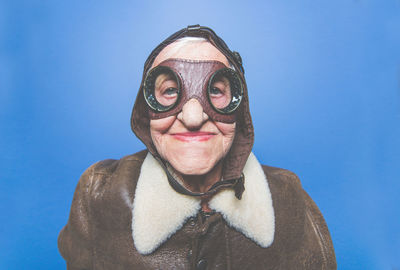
{"x":98,"y":178}
{"x":284,"y":175}
{"x":108,"y":166}
{"x":93,"y":193}
{"x":316,"y":240}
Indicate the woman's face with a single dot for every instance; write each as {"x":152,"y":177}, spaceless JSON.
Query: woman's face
{"x":190,"y":141}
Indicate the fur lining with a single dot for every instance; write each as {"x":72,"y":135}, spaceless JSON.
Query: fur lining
{"x":159,"y":211}
{"x":253,"y":215}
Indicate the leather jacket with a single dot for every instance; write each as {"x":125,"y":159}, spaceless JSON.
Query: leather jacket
{"x":100,"y":233}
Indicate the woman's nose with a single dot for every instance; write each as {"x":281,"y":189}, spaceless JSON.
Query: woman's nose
{"x":192,"y":114}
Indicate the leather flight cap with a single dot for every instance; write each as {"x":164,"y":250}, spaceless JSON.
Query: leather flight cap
{"x":244,"y":137}
{"x":198,"y":31}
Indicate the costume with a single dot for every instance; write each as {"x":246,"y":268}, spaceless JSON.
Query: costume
{"x":125,"y":215}
{"x":133,"y":213}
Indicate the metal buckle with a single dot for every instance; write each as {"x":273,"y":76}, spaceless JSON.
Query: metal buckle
{"x":193,"y":27}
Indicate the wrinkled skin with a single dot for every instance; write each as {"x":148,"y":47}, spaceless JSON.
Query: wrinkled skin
{"x":190,"y":141}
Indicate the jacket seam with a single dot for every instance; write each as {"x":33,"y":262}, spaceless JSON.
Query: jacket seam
{"x":321,"y":240}
{"x":101,"y":173}
{"x":227,"y":247}
{"x":92,"y":251}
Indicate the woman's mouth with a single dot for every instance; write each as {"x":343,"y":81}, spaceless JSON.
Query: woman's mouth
{"x":193,"y":136}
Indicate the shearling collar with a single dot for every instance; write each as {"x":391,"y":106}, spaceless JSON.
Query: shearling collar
{"x":159,"y":211}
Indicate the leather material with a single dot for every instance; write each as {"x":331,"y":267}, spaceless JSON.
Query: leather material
{"x":98,"y":234}
{"x":194,"y":76}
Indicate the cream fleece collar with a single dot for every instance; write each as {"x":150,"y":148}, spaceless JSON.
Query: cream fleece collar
{"x":159,"y":211}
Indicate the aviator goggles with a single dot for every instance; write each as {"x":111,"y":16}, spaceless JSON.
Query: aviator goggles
{"x":218,"y":88}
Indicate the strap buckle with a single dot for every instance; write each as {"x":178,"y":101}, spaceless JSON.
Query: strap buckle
{"x":194,"y":27}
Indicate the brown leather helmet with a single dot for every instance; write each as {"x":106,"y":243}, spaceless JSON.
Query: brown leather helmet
{"x":236,"y":158}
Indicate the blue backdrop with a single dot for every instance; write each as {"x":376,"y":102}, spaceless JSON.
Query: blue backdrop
{"x":324,"y":88}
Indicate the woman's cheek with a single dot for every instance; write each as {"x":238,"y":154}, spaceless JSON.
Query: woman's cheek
{"x":228,"y":133}
{"x":161,"y":125}
{"x":226,"y":129}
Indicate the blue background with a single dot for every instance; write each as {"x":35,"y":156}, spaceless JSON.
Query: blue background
{"x":324,"y":86}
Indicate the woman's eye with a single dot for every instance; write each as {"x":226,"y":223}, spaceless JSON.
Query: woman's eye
{"x":171,"y":91}
{"x":215,"y":91}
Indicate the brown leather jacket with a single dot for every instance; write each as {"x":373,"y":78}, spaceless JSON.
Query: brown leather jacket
{"x":99,"y":230}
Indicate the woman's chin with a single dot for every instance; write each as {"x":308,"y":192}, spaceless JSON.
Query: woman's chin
{"x":191,"y":166}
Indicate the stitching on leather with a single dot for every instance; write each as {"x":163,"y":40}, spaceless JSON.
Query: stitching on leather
{"x":89,"y":210}
{"x":227,"y":247}
{"x":192,"y":61}
{"x":321,"y":240}
{"x":101,"y":173}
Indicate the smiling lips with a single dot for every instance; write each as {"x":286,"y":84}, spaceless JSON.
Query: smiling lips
{"x":193,"y":136}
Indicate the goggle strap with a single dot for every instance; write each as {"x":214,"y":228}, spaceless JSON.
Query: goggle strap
{"x":236,"y":184}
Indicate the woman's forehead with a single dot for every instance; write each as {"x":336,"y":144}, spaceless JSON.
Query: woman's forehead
{"x":198,"y":50}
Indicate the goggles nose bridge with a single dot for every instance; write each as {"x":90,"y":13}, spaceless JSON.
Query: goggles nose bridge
{"x":195,"y":97}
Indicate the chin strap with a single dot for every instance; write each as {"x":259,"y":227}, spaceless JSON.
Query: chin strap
{"x":237,"y":184}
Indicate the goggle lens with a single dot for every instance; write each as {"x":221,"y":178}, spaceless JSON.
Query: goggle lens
{"x":166,"y":89}
{"x":161,"y":89}
{"x":225,"y":90}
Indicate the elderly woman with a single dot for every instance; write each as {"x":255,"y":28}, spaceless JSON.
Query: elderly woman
{"x":197,"y":198}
